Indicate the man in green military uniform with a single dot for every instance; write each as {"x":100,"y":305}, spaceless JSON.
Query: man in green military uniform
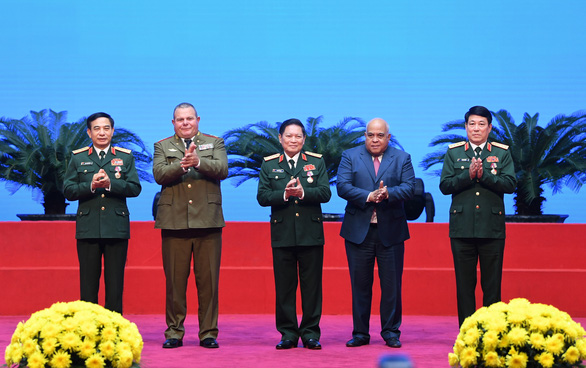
{"x":477,"y":174}
{"x":101,"y":177}
{"x":294,"y":184}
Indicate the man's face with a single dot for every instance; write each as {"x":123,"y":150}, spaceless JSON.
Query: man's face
{"x":101,"y":132}
{"x":478,"y":129}
{"x":186,"y":124}
{"x":377,"y":137}
{"x":292,"y":140}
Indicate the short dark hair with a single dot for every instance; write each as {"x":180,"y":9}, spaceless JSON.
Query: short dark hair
{"x":288,"y":122}
{"x":480,"y":111}
{"x":184,"y":105}
{"x":96,"y":116}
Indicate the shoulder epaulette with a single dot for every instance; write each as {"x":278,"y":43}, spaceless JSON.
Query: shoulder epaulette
{"x":318,"y":155}
{"x":272,"y":157}
{"x":500,"y":145}
{"x":80,"y":150}
{"x":454,"y":145}
{"x":164,"y":139}
{"x":209,"y":135}
{"x":125,"y":150}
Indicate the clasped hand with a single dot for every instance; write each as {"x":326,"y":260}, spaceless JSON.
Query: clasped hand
{"x":476,"y":169}
{"x":191,"y":159}
{"x":294,"y":189}
{"x":100,"y":180}
{"x":380,"y":194}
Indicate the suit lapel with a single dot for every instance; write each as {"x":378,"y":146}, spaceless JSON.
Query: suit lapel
{"x":368,"y":163}
{"x":385,"y":163}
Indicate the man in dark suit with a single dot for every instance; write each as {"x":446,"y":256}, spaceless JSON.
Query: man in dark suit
{"x":477,"y":173}
{"x":295,"y":183}
{"x":376,"y":180}
{"x":189,"y":166}
{"x":101,"y":177}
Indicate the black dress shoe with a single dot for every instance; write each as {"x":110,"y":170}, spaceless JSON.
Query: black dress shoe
{"x":172,"y":343}
{"x":393,"y":342}
{"x":312,"y":344}
{"x":209,"y":343}
{"x":286,"y":344}
{"x":357,"y":341}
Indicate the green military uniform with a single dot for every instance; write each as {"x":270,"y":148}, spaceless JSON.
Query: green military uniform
{"x":103,"y":222}
{"x":297,"y":239}
{"x":477,"y":219}
{"x":189,"y":212}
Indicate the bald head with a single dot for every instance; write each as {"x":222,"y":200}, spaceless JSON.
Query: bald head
{"x":377,"y":136}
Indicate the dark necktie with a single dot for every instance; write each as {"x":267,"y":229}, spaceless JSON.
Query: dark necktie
{"x":187,"y":142}
{"x":292,"y":163}
{"x":376,"y":165}
{"x":478,"y":150}
{"x":102,"y":155}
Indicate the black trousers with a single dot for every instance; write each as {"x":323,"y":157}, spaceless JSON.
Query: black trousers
{"x":467,"y":253}
{"x":89,"y":254}
{"x":286,"y":262}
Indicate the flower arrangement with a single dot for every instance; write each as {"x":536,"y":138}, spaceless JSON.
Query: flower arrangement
{"x":75,"y":334}
{"x":519,"y":335}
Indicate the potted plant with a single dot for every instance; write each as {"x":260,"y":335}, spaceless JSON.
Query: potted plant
{"x":553,"y":155}
{"x":35,"y":153}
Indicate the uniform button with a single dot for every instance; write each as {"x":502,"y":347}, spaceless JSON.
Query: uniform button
{"x":103,"y":195}
{"x":103,"y":208}
{"x":462,"y":167}
{"x":84,"y":171}
{"x":296,"y":202}
{"x":477,"y":193}
{"x":454,"y":211}
{"x":292,"y":177}
{"x":297,"y":214}
{"x":477,"y":206}
{"x":500,"y":212}
{"x":189,"y":186}
{"x":275,"y":221}
{"x":190,"y":201}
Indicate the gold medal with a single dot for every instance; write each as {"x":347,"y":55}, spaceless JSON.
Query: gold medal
{"x":117,"y":175}
{"x":310,"y":180}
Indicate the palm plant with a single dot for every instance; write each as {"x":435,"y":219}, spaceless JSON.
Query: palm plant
{"x":553,"y":155}
{"x":35,"y":152}
{"x":250,"y":144}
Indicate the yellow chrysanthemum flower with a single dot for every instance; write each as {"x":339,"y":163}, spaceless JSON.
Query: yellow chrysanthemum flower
{"x":490,"y":340}
{"x":109,"y":333}
{"x":537,"y":340}
{"x":517,"y":360}
{"x":491,"y":359}
{"x":469,"y":357}
{"x":471,"y":336}
{"x":69,"y":324}
{"x":123,"y":361}
{"x":69,"y":341}
{"x":87,"y":348}
{"x":453,"y":359}
{"x":61,"y":359}
{"x":95,"y":361}
{"x":17,"y":332}
{"x":108,"y":348}
{"x":581,"y":345}
{"x":29,"y":346}
{"x":8,"y":355}
{"x":50,"y":330}
{"x":49,"y":345}
{"x":545,"y":359}
{"x":16,"y":353}
{"x":36,"y":360}
{"x":517,"y":336}
{"x":88,"y":329}
{"x":554,"y":345}
{"x":572,"y":355}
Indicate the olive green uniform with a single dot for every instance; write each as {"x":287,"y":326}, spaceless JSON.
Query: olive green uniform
{"x":297,"y":239}
{"x":103,"y":222}
{"x":477,"y":219}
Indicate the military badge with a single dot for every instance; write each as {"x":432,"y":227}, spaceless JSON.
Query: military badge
{"x":278,"y":170}
{"x":310,"y":173}
{"x":493,"y":165}
{"x":116,"y":162}
{"x":86,"y":163}
{"x":203,"y":147}
{"x":463,"y":159}
{"x":117,"y":175}
{"x":308,"y":167}
{"x":492,"y":159}
{"x":493,"y":171}
{"x":310,"y":180}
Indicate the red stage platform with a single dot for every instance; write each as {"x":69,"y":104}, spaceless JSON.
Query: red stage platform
{"x":543,"y":263}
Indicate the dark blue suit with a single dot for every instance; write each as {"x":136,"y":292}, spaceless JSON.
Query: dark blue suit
{"x":384,"y":241}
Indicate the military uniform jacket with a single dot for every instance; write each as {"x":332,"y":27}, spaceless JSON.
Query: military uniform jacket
{"x":102,"y":213}
{"x":193,"y":199}
{"x":294,"y":222}
{"x":477,"y":209}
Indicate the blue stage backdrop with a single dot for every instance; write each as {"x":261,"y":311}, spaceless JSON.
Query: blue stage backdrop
{"x":417,"y":64}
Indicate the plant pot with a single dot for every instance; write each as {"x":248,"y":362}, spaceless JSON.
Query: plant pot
{"x":536,"y":218}
{"x":59,"y":217}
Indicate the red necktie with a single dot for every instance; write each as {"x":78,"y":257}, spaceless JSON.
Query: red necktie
{"x":376,"y":165}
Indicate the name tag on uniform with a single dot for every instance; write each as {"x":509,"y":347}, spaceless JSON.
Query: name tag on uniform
{"x":203,"y":147}
{"x":278,"y":170}
{"x":463,"y":159}
{"x":86,"y":163}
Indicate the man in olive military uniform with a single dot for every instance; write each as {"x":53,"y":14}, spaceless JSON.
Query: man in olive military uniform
{"x":101,"y":177}
{"x":477,"y":174}
{"x":294,"y":184}
{"x":189,"y":166}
